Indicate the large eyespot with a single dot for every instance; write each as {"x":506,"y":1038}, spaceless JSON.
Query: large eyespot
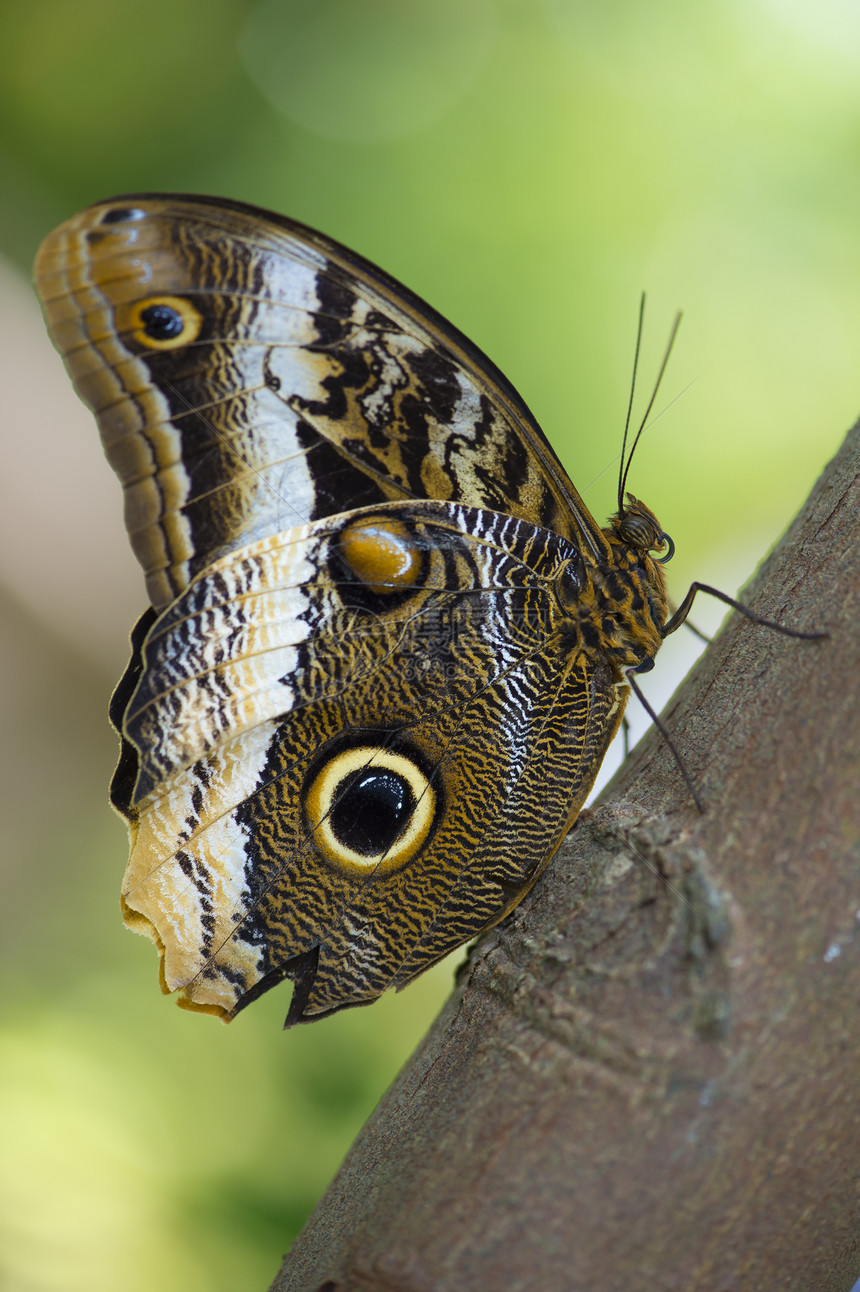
{"x":382,"y":553}
{"x":370,"y":809}
{"x":164,"y":322}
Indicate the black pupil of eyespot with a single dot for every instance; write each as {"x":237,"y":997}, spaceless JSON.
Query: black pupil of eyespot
{"x":371,"y":808}
{"x":161,"y":322}
{"x":121,"y":213}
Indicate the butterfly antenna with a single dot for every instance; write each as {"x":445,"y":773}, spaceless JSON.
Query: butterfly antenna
{"x":622,"y":483}
{"x":622,"y":474}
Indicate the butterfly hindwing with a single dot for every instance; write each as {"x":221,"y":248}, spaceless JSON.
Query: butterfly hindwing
{"x":280,"y":715}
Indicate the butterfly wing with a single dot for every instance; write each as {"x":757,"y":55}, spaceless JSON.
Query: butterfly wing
{"x":249,"y":375}
{"x":341,"y":780}
{"x":356,"y":722}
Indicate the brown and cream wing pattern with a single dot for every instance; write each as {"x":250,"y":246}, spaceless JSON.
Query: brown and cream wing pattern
{"x":249,"y":375}
{"x":386,"y":646}
{"x":341,"y":782}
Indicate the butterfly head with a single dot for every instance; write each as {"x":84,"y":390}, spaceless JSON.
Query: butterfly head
{"x":636,"y":527}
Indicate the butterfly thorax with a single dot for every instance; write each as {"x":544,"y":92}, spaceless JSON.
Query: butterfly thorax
{"x":622,"y":615}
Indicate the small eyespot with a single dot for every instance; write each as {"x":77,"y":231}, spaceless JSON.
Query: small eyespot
{"x":382,"y":553}
{"x":164,"y":322}
{"x":161,"y":322}
{"x":370,"y":810}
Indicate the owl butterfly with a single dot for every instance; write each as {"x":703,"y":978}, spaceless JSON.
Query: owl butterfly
{"x":388,"y":645}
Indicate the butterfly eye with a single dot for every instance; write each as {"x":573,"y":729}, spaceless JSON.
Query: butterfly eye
{"x":164,"y":322}
{"x":370,"y":810}
{"x":636,"y":530}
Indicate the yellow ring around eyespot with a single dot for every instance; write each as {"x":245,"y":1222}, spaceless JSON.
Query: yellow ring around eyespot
{"x":321,"y":798}
{"x":191,"y":319}
{"x":382,"y":553}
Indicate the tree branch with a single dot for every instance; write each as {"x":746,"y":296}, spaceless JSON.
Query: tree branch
{"x":647,"y":1078}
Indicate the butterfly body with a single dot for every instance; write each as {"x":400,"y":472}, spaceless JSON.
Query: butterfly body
{"x":387,"y":641}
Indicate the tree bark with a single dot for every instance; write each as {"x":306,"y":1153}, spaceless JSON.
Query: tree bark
{"x":649,"y":1076}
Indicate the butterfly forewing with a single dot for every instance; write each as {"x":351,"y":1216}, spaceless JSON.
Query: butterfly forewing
{"x":249,"y":375}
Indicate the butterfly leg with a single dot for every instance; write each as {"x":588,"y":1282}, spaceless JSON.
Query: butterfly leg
{"x":683,"y":610}
{"x":645,"y":667}
{"x":625,"y":731}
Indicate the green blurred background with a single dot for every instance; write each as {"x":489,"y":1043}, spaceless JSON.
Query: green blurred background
{"x":528,"y":166}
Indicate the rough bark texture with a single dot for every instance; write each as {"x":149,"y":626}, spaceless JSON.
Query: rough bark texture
{"x":649,"y":1077}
